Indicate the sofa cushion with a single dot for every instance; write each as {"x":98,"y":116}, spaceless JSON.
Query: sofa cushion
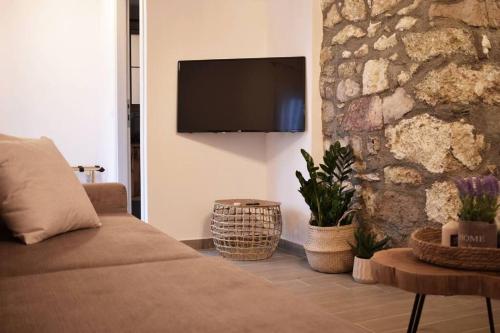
{"x":190,"y":295}
{"x":122,"y":239}
{"x":40,"y":195}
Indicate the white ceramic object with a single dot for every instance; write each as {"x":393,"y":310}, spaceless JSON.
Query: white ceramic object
{"x":362,"y":271}
{"x":328,"y":249}
{"x":449,"y":234}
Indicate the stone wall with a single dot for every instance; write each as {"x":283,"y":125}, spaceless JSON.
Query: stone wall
{"x":414,"y":87}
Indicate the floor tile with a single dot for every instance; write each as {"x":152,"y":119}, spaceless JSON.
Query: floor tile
{"x":375,"y":307}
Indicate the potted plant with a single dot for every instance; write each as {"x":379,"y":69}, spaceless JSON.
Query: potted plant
{"x":479,"y":196}
{"x":330,"y":201}
{"x":365,"y":247}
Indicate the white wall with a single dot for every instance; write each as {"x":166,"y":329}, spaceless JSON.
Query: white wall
{"x":57,"y":76}
{"x":187,"y":172}
{"x":295,"y":32}
{"x":58,"y":64}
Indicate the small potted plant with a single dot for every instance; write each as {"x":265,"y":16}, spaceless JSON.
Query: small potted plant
{"x":365,"y":247}
{"x":331,"y":227}
{"x":479,"y":196}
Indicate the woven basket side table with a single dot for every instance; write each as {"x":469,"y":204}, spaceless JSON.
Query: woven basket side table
{"x":246,"y":229}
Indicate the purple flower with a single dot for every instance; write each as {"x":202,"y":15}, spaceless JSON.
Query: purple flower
{"x":479,"y":196}
{"x":489,"y":186}
{"x":465,"y":187}
{"x":478,"y":186}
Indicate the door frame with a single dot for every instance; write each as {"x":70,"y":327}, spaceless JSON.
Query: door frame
{"x":124,"y":99}
{"x":144,"y":107}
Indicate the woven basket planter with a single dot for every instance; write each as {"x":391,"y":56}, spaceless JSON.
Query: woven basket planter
{"x":426,"y":245}
{"x":328,"y":249}
{"x":242,"y":230}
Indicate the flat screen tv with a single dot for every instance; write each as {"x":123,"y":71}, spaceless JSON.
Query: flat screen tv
{"x":241,"y":95}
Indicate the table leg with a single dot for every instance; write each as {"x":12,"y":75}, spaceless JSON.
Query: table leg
{"x":490,"y":315}
{"x":413,"y":311}
{"x":416,"y":313}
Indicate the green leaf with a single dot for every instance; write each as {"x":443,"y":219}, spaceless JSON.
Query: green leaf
{"x":366,"y":244}
{"x":324,"y":192}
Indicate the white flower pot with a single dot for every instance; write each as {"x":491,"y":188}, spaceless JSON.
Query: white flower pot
{"x":362,"y":271}
{"x":328,"y":249}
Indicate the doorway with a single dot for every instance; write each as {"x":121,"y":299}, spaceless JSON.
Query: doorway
{"x":131,"y":103}
{"x":135,"y":106}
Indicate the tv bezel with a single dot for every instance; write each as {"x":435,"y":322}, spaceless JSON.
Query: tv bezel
{"x":242,"y":131}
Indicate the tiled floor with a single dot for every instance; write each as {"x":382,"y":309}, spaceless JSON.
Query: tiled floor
{"x":376,"y":308}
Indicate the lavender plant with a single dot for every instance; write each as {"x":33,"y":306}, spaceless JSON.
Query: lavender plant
{"x":479,"y":196}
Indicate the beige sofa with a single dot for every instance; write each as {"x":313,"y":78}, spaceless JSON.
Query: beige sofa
{"x":129,"y":277}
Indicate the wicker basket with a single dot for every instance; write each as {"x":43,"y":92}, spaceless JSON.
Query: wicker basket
{"x":328,"y":249}
{"x":426,"y":244}
{"x":246,"y":229}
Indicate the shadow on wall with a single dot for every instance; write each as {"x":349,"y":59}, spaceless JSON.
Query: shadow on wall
{"x":280,"y":154}
{"x":251,"y":145}
{"x":285,"y":145}
{"x":206,"y":226}
{"x":295,"y":223}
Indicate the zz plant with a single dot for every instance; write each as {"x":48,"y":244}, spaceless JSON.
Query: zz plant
{"x":325,"y":191}
{"x":367,"y":244}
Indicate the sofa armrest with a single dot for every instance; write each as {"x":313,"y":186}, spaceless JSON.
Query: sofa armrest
{"x":107,"y":198}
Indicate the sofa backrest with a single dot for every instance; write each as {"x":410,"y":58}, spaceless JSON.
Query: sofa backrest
{"x":107,"y":198}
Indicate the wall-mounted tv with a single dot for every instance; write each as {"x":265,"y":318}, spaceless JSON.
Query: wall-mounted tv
{"x":241,"y":95}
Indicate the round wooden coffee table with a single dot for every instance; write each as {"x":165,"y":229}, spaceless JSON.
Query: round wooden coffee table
{"x":401,"y":269}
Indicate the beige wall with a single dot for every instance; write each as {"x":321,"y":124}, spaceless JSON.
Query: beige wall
{"x":187,"y":172}
{"x":57,"y":76}
{"x":295,"y":32}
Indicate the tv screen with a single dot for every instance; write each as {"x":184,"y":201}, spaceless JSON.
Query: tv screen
{"x":241,"y":95}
